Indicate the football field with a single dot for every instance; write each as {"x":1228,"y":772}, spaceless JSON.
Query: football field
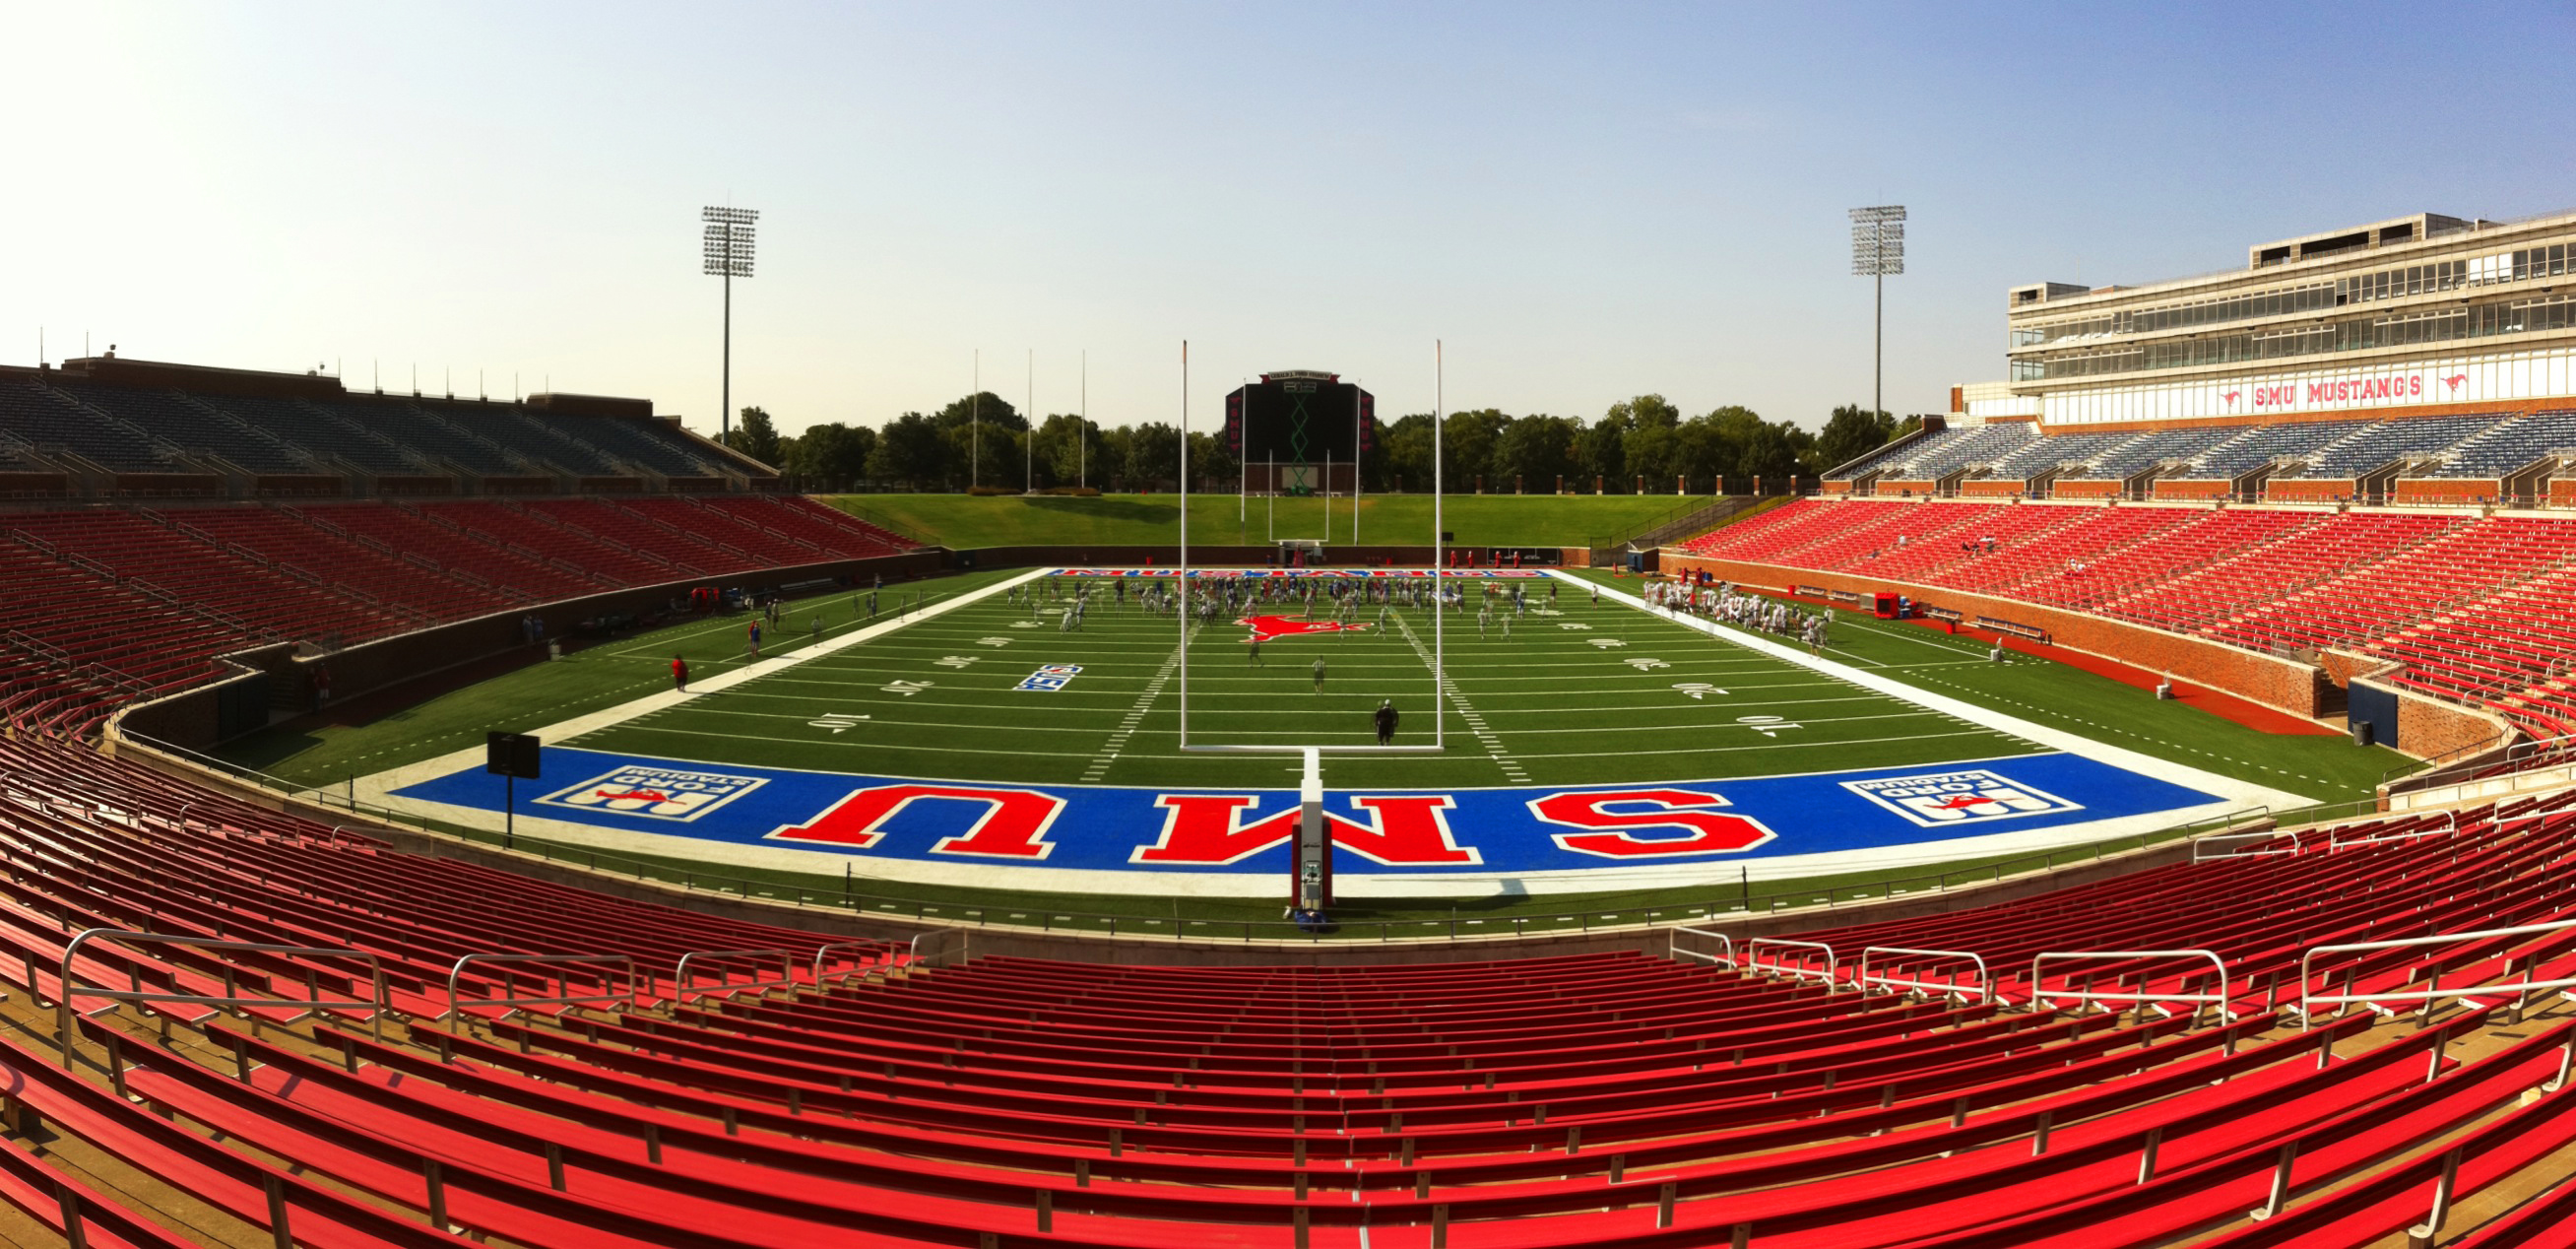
{"x":1577,"y":692}
{"x":1023,"y":730}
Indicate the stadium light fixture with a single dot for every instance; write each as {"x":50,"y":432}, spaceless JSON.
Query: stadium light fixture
{"x":728,"y":246}
{"x":1878,"y":253}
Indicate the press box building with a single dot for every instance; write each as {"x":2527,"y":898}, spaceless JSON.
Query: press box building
{"x":2424,"y":358}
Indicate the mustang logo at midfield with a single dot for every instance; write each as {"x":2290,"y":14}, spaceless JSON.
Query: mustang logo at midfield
{"x":1265,"y":628}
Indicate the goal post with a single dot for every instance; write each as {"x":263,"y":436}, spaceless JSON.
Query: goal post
{"x":1440,"y":583}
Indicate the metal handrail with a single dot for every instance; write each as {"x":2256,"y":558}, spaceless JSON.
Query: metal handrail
{"x":2435,"y":992}
{"x":821,"y":950}
{"x":375,"y":1006}
{"x":681,"y":986}
{"x":2266,"y":835}
{"x":1985,"y":978}
{"x":1799,"y":969}
{"x":564,"y":996}
{"x":2335,"y":842}
{"x":2040,"y":994}
{"x":920,"y":959}
{"x":1674,"y":949}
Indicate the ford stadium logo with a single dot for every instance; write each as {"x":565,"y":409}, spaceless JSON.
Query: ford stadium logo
{"x":1969,"y":796}
{"x":655,"y":793}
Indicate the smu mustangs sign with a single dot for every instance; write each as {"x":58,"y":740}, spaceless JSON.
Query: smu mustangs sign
{"x":1140,"y":840}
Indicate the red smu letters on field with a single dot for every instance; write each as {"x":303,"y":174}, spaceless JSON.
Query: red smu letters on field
{"x":1708,"y":832}
{"x":1013,"y":826}
{"x":1208,"y":829}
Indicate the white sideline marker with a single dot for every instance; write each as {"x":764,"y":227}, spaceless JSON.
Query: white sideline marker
{"x":2059,"y":739}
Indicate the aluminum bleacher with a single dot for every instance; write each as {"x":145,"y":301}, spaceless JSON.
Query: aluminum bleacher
{"x":537,"y":439}
{"x":2378,"y":445}
{"x":1954,"y":449}
{"x":2262,"y":444}
{"x":173,"y":419}
{"x":2510,"y":445}
{"x":46,"y":419}
{"x":2040,"y":454}
{"x":405,"y":425}
{"x":259,"y":429}
{"x":320,"y":431}
{"x":645,"y":442}
{"x":2138,"y":454}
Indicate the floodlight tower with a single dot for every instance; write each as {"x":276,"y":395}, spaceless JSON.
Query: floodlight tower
{"x":728,"y":253}
{"x":1878,"y":253}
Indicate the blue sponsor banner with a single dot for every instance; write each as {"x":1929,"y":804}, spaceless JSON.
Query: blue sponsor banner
{"x":1500,"y":830}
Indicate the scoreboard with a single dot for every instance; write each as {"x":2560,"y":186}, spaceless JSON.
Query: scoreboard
{"x":1300,"y":417}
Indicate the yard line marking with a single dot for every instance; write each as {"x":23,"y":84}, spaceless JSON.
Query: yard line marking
{"x":384,"y":783}
{"x":2227,"y":787}
{"x":1117,"y":742}
{"x":1512,"y":770}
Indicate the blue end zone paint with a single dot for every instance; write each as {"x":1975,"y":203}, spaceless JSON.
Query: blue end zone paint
{"x":1494,"y":831}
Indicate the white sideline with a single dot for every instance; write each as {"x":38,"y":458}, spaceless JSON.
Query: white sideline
{"x":2056,"y":738}
{"x":384,"y":783}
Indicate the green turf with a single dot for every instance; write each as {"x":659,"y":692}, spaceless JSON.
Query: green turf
{"x":1558,"y":708}
{"x":1570,"y":694}
{"x":963,"y":521}
{"x":363,"y":738}
{"x":2328,"y":767}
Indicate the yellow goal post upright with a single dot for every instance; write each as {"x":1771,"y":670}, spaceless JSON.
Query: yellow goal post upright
{"x":1311,"y":871}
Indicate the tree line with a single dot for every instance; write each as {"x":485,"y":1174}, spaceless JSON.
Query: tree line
{"x":981,"y":440}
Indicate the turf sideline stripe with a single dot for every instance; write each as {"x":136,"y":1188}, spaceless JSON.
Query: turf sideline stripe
{"x":384,"y":783}
{"x":2072,"y":743}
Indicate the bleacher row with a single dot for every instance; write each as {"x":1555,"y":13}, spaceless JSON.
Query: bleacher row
{"x":2478,"y":446}
{"x":2473,"y":607}
{"x":1598,"y":1100}
{"x":133,"y":430}
{"x":107,"y":603}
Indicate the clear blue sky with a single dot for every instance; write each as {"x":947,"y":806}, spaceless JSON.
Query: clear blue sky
{"x":1586,"y":201}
